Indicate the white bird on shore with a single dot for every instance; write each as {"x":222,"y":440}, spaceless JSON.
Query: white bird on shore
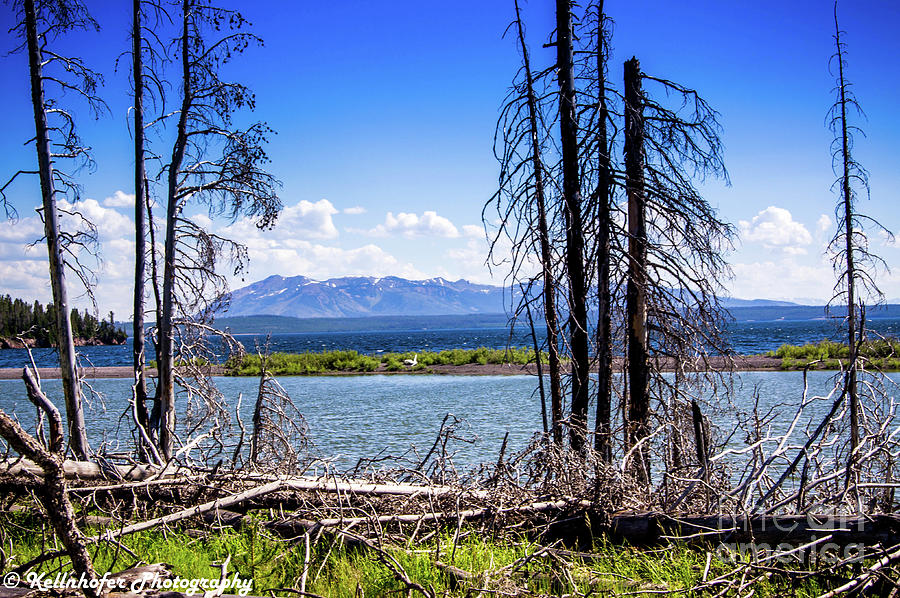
{"x":412,"y":362}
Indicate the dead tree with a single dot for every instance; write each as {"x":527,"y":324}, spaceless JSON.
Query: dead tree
{"x":602,"y":199}
{"x":40,"y":23}
{"x":145,"y":82}
{"x":572,"y":212}
{"x":854,"y":263}
{"x":636,"y":298}
{"x":280,"y":434}
{"x":677,"y":243}
{"x":213,"y":163}
{"x":522,"y":205}
{"x":53,"y":494}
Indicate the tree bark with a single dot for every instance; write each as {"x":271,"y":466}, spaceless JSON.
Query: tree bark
{"x":847,"y":197}
{"x":603,"y":426}
{"x":52,"y":495}
{"x":65,"y":341}
{"x":635,"y":293}
{"x":166,"y":380}
{"x":140,"y":216}
{"x":549,"y":291}
{"x":568,"y":125}
{"x":257,"y":412}
{"x":540,"y":369}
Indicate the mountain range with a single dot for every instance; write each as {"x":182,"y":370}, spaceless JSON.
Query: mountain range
{"x":362,"y":296}
{"x":366,"y":296}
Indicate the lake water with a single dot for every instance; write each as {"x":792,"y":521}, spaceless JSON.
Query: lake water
{"x":351,"y":417}
{"x":747,"y":338}
{"x":354,"y":417}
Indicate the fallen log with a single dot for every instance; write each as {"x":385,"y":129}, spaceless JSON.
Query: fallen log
{"x":455,"y":574}
{"x":86,"y":470}
{"x":136,"y":473}
{"x":295,"y":527}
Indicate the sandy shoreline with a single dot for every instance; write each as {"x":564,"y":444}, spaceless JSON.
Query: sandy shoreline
{"x":750,"y":363}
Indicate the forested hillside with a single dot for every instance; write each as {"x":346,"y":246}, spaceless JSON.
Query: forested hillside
{"x":34,"y":322}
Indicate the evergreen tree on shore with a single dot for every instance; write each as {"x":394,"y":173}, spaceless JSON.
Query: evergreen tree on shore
{"x":34,"y":321}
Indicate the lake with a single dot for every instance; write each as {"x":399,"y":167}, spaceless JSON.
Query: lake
{"x":747,"y":338}
{"x":353,"y":417}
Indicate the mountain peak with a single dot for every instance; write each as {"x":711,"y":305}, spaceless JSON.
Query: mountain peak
{"x":359,"y":296}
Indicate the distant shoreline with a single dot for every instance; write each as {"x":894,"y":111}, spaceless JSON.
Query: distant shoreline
{"x":748,"y":363}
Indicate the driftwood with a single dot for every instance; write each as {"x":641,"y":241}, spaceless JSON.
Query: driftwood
{"x":295,"y":527}
{"x":52,"y":494}
{"x":320,"y":485}
{"x":87,"y":470}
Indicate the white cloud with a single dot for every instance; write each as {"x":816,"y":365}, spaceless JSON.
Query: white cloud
{"x":24,"y":271}
{"x":471,"y":261}
{"x":776,"y":228}
{"x":21,"y":231}
{"x":110,"y":223}
{"x":310,"y":219}
{"x":411,"y":225}
{"x":26,"y":279}
{"x":354,"y":211}
{"x":201,"y":220}
{"x":824,"y":223}
{"x":782,"y":279}
{"x":888,"y":239}
{"x":303,"y":220}
{"x":119,"y":199}
{"x":295,"y":257}
{"x":473,"y":230}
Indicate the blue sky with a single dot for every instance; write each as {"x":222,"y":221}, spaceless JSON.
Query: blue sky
{"x":385,"y":114}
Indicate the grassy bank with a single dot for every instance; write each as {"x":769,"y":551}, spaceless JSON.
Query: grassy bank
{"x":514,"y":566}
{"x":292,"y":364}
{"x":883,"y":354}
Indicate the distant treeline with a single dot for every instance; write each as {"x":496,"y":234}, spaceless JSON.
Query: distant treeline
{"x":33,"y":321}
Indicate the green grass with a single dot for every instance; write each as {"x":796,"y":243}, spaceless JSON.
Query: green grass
{"x":294,"y":364}
{"x":336,"y":570}
{"x":881,"y":354}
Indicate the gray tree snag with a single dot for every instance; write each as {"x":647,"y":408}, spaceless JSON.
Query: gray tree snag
{"x":847,"y":217}
{"x":572,"y":208}
{"x":140,"y":218}
{"x":213,"y":163}
{"x":676,"y":264}
{"x":41,"y":22}
{"x":524,"y":210}
{"x":546,"y":259}
{"x":854,"y":263}
{"x":52,"y":494}
{"x":603,"y":198}
{"x":635,"y":294}
{"x":280,"y":437}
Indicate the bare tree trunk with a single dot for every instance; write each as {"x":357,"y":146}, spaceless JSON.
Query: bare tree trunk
{"x":257,"y":410}
{"x":603,"y":426}
{"x":847,"y":199}
{"x":166,"y":380}
{"x":578,"y":336}
{"x":635,"y":293}
{"x":52,"y":495}
{"x":64,"y":337}
{"x":540,"y":367}
{"x":549,"y":291}
{"x":140,"y":217}
{"x":156,"y":413}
